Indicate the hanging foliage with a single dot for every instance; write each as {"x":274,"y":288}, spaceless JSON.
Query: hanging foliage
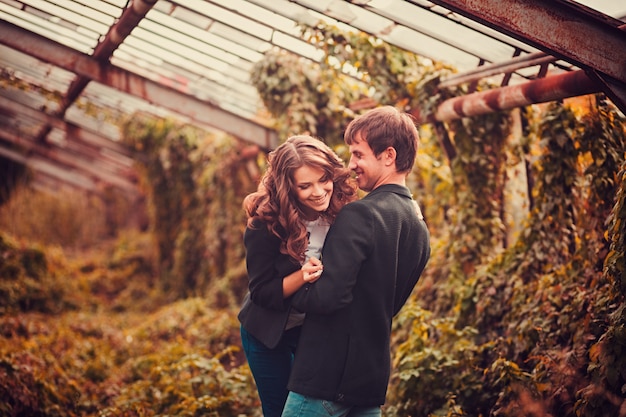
{"x":195,"y":182}
{"x":321,"y":98}
{"x":302,"y":96}
{"x":606,"y":143}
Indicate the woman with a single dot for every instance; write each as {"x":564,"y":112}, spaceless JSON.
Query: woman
{"x":299,"y":196}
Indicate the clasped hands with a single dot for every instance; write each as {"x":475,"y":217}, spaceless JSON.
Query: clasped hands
{"x":312,"y":270}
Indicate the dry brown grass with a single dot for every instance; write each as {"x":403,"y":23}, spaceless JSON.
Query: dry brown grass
{"x":68,"y":218}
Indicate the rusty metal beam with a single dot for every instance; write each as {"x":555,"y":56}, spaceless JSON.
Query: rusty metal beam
{"x":73,"y":132}
{"x":565,"y":29}
{"x":73,"y":155}
{"x":64,"y":159}
{"x":130,"y":18}
{"x":202,"y":112}
{"x":556,"y":87}
{"x":61,"y":173}
{"x":616,"y":91}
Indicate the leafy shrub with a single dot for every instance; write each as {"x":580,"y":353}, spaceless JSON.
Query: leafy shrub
{"x":434,"y":359}
{"x":191,"y":385}
{"x":120,"y":350}
{"x":29,"y":279}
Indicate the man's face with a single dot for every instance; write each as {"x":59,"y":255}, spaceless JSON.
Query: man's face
{"x":368,"y":168}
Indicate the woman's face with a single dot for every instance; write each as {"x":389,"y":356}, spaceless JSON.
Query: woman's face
{"x":313,"y":189}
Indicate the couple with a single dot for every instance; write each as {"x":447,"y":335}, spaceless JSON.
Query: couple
{"x":332,"y":291}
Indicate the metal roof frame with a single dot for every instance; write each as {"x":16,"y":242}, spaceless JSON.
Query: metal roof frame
{"x":190,"y":58}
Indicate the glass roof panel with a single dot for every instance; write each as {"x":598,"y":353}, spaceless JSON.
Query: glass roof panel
{"x":180,"y":43}
{"x":297,"y":46}
{"x":32,"y":98}
{"x":83,"y":11}
{"x":315,"y":4}
{"x":329,"y":20}
{"x":229,"y":18}
{"x":116,"y":103}
{"x":260,"y":14}
{"x":241,"y":38}
{"x":34,"y":71}
{"x":370,"y":22}
{"x":126,"y":54}
{"x":68,"y":14}
{"x":447,"y":31}
{"x":200,"y":37}
{"x":290,"y":10}
{"x":32,"y":21}
{"x":614,"y":8}
{"x":118,"y":3}
{"x":108,"y":8}
{"x":207,"y":48}
{"x":429,"y":47}
{"x":185,"y":15}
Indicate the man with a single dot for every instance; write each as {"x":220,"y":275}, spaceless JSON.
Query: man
{"x":373,"y":256}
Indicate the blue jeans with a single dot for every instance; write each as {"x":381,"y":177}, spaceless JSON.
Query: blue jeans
{"x":270,"y":368}
{"x":300,"y":406}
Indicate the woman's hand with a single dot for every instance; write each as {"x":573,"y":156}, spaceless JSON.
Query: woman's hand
{"x":312,"y":270}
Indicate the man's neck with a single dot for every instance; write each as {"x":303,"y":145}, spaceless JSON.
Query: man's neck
{"x":396,"y":178}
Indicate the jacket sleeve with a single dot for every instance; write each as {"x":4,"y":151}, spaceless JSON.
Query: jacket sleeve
{"x":403,"y":293}
{"x":347,"y":246}
{"x":264,"y":280}
{"x":419,"y":253}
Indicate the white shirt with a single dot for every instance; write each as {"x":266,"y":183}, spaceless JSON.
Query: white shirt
{"x":317,"y":231}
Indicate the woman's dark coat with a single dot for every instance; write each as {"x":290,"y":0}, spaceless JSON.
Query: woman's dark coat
{"x":264,"y":312}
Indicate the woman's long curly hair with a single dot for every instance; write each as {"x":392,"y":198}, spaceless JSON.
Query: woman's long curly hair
{"x":275,"y":202}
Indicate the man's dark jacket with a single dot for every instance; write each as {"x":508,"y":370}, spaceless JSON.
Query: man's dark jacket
{"x":373,"y":256}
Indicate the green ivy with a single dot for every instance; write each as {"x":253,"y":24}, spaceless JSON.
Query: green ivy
{"x":195,"y":182}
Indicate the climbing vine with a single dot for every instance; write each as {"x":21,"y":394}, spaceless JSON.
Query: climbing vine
{"x":493,"y":329}
{"x":195,"y":182}
{"x":607,"y":357}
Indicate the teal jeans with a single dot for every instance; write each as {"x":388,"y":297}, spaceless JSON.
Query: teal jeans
{"x":270,"y":368}
{"x":300,"y":406}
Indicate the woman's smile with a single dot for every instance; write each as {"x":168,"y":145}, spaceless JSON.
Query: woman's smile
{"x":320,"y":200}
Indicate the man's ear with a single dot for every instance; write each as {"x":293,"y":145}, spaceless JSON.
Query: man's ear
{"x":390,"y":156}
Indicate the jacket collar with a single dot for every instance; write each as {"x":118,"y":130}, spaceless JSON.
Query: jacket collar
{"x":391,"y":188}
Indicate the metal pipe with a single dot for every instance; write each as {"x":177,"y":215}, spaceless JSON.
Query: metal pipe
{"x":556,"y":87}
{"x":483,"y":71}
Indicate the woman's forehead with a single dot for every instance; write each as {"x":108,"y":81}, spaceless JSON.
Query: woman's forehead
{"x":308,"y":173}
